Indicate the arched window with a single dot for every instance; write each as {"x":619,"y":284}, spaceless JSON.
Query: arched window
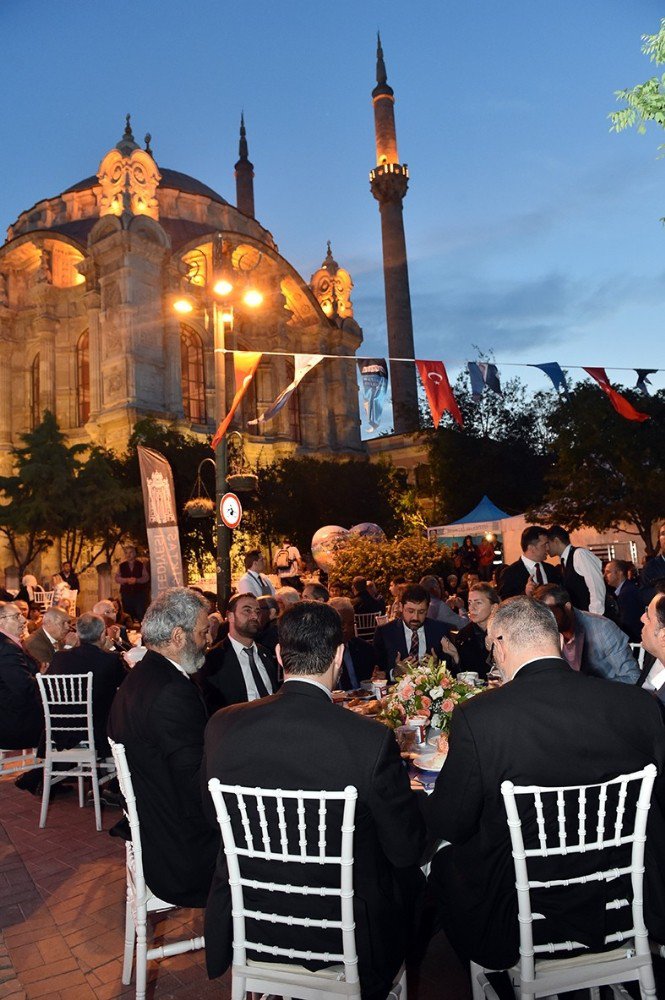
{"x":83,"y":379}
{"x":35,"y":412}
{"x":193,"y":375}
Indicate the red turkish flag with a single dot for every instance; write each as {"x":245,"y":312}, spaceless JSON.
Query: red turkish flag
{"x":440,"y":396}
{"x":245,"y":364}
{"x":621,"y":405}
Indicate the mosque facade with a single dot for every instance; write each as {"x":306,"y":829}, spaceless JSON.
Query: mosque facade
{"x":91,"y":281}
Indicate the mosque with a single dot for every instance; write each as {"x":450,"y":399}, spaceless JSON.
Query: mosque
{"x":91,"y":282}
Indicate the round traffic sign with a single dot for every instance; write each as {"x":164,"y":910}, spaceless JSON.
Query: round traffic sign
{"x":230,"y":510}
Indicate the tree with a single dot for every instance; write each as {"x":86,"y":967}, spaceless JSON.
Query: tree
{"x":502,"y":450}
{"x":37,"y":498}
{"x":608,"y":470}
{"x":410,"y":557}
{"x":646,"y":101}
{"x":297,"y":496}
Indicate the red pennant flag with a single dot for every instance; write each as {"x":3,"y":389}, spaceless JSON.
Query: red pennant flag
{"x":621,"y":405}
{"x":440,"y":396}
{"x":245,"y":364}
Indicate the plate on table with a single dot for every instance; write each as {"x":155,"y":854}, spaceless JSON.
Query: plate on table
{"x":429,"y":762}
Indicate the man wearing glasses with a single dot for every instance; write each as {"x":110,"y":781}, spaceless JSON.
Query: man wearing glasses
{"x":21,"y":718}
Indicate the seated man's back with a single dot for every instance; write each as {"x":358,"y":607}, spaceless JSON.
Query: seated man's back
{"x":549,"y":726}
{"x":298,"y":739}
{"x":159,"y":717}
{"x":21,"y":716}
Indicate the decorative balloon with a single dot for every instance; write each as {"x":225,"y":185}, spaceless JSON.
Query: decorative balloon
{"x":369,"y":530}
{"x":326,"y":542}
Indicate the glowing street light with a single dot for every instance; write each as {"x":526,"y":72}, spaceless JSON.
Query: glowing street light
{"x":252,"y":298}
{"x":223,"y":288}
{"x":183,"y":305}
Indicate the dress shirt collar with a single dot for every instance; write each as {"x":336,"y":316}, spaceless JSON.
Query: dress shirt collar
{"x":530,"y":565}
{"x":617,"y":590}
{"x":239,"y":647}
{"x":564,"y":555}
{"x":309,"y":680}
{"x":535,"y":659}
{"x":178,"y":666}
{"x":49,"y":637}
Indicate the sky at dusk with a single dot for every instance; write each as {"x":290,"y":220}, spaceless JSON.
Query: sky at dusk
{"x":532,"y":231}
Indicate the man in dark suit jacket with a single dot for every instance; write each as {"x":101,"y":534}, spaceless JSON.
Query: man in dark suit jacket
{"x":628,"y":597}
{"x":412,"y":635}
{"x":549,"y":726}
{"x":108,"y":673}
{"x":21,"y":716}
{"x":298,"y":739}
{"x":359,"y":659}
{"x":159,"y":716}
{"x":530,"y":570}
{"x":236,"y":669}
{"x":45,"y":641}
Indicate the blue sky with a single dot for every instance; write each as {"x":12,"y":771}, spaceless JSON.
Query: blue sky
{"x":532,"y":231}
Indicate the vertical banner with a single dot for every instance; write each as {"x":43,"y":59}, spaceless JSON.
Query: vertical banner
{"x":374,"y":378}
{"x":161,"y":521}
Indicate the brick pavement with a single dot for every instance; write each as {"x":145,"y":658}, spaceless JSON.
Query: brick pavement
{"x":62,"y":911}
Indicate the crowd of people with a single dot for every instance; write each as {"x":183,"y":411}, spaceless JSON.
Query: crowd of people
{"x":247,"y":697}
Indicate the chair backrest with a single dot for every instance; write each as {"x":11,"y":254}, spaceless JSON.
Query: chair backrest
{"x":639,"y":652}
{"x":290,"y":827}
{"x":67,"y":701}
{"x":127,"y":789}
{"x":366,"y":625}
{"x":43,"y":599}
{"x":548,"y":823}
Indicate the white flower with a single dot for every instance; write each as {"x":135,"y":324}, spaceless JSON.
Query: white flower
{"x":436,"y":721}
{"x":436,"y":692}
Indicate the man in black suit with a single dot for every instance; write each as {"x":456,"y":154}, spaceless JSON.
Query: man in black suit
{"x":412,"y":635}
{"x":530,"y":570}
{"x":298,"y":739}
{"x":159,"y":716}
{"x":628,"y":597}
{"x":108,"y":672}
{"x":652,"y":677}
{"x":21,"y":716}
{"x":237,"y":669}
{"x":358,"y":659}
{"x":45,"y":641}
{"x":549,"y":726}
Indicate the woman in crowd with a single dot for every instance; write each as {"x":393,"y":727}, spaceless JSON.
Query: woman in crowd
{"x":469,"y":556}
{"x":467,"y":648}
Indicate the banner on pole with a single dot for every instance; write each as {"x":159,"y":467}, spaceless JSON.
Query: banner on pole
{"x":374,"y":378}
{"x":161,"y":522}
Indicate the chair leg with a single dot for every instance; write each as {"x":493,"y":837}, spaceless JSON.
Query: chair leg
{"x":477,"y":991}
{"x":130,"y":938}
{"x":81,"y":796}
{"x":238,"y":990}
{"x":46,"y":794}
{"x":95,"y":798}
{"x":647,"y":982}
{"x":141,"y":955}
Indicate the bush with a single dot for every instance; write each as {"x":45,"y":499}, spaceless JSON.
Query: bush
{"x":412,"y":557}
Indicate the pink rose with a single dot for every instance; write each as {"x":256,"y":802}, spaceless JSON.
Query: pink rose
{"x":427,"y":702}
{"x":448,"y":705}
{"x":423,"y":711}
{"x":405,"y":690}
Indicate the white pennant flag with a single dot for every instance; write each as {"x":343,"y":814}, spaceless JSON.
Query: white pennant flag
{"x":303,"y":363}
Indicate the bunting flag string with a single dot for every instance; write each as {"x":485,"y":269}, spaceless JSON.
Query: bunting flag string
{"x":245,"y":364}
{"x":643,"y":379}
{"x":303,"y":363}
{"x":374,"y":378}
{"x":554,"y":373}
{"x":440,"y":397}
{"x":620,"y":404}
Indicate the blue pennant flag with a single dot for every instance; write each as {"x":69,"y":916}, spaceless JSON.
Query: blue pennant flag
{"x":643,"y":379}
{"x":483,"y":374}
{"x":554,"y":373}
{"x":374,"y":377}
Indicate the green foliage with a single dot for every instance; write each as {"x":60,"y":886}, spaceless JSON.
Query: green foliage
{"x":607,"y":469}
{"x":297,"y":496}
{"x":646,"y":101}
{"x":412,"y":557}
{"x":501,"y":451}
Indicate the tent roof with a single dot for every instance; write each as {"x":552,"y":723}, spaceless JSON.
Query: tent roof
{"x":484,"y":511}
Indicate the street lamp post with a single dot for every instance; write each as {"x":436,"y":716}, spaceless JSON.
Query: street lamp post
{"x":220,"y":304}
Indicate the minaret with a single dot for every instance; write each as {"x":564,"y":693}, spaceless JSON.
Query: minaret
{"x":389,"y":182}
{"x":244,"y":175}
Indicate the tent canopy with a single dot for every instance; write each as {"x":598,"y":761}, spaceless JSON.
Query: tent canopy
{"x":484,"y":511}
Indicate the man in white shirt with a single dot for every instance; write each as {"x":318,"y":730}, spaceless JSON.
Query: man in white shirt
{"x":253,"y":581}
{"x":237,"y":669}
{"x":582,"y":572}
{"x":530,"y":570}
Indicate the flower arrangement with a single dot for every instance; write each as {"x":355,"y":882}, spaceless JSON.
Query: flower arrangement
{"x":426,"y":689}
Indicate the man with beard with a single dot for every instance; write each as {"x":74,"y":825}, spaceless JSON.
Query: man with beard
{"x":236,"y":669}
{"x":159,"y":717}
